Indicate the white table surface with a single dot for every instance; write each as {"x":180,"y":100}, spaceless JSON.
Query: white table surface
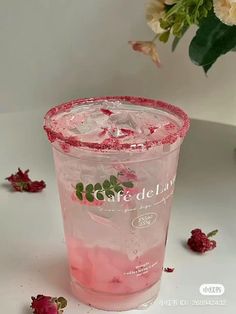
{"x":33,"y":255}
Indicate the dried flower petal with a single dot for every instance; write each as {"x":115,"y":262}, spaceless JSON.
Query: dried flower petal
{"x":103,"y":132}
{"x":126,"y":174}
{"x":127,"y":132}
{"x":106,"y":111}
{"x":147,"y":48}
{"x":36,"y":186}
{"x":200,"y":242}
{"x":20,"y":181}
{"x":48,"y":305}
{"x":169,"y":269}
{"x":152,"y":129}
{"x":169,"y":126}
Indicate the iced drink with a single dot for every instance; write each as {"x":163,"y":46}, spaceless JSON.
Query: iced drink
{"x":116,"y":161}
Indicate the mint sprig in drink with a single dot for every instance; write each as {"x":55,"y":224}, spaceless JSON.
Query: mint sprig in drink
{"x":116,"y":160}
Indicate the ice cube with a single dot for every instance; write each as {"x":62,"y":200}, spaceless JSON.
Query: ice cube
{"x":123,"y":120}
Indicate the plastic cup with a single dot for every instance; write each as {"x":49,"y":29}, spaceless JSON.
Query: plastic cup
{"x":116,"y":161}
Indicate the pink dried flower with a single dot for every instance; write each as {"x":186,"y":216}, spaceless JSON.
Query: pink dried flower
{"x":169,"y":269}
{"x":48,"y":305}
{"x":20,"y":181}
{"x":200,"y":242}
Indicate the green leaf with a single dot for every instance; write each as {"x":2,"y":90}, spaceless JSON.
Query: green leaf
{"x":62,"y":302}
{"x":109,"y":193}
{"x":118,"y":188}
{"x":106,"y":184}
{"x":100,"y":196}
{"x":128,"y":184}
{"x":164,"y":36}
{"x":177,"y":39}
{"x":79,"y":195}
{"x":89,"y":188}
{"x":113,"y":180}
{"x":212,"y":40}
{"x":89,"y":197}
{"x":80,"y":187}
{"x":212,"y":233}
{"x":97,"y":187}
{"x":234,"y":49}
{"x":175,"y":43}
{"x":207,"y":67}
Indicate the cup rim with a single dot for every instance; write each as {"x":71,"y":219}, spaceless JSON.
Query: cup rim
{"x":113,"y":145}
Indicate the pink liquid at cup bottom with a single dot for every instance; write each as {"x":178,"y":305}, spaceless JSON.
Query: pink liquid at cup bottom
{"x":107,"y":279}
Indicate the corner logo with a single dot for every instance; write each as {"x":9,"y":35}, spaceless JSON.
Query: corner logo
{"x":212,"y":289}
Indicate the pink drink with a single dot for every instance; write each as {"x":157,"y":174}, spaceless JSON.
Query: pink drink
{"x":116,"y":161}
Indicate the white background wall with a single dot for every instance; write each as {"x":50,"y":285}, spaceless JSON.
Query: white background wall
{"x":55,"y":50}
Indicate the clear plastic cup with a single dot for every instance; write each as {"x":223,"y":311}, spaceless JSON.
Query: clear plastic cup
{"x":116,"y":161}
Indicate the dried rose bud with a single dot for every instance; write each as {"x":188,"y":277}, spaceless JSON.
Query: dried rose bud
{"x":48,"y":305}
{"x":169,"y":269}
{"x":36,"y":186}
{"x":200,"y":242}
{"x":20,"y":181}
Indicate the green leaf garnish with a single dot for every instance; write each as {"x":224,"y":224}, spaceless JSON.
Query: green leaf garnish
{"x":106,"y":184}
{"x":113,"y":180}
{"x":109,"y":193}
{"x":118,"y":188}
{"x":89,"y":188}
{"x":100,"y":196}
{"x":89,"y":197}
{"x":80,"y":187}
{"x":128,"y":184}
{"x":110,"y":187}
{"x":97,"y":187}
{"x":79,"y":195}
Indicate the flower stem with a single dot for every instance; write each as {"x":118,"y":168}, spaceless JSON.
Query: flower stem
{"x":155,"y":37}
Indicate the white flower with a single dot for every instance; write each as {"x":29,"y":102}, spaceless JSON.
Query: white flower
{"x":225,"y":10}
{"x":170,"y":2}
{"x":155,"y":11}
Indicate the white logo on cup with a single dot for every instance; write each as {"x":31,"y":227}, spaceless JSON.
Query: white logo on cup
{"x":144,"y":220}
{"x":212,"y":289}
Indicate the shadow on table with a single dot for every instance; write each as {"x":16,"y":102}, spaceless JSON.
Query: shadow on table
{"x":26,"y":310}
{"x":55,"y":273}
{"x":7,"y":187}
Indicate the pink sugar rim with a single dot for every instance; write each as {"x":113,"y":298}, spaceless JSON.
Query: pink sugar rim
{"x":114,"y":144}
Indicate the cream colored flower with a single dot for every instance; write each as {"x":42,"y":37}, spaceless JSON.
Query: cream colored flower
{"x":147,"y":48}
{"x":225,"y":10}
{"x":170,"y":2}
{"x":155,"y":11}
